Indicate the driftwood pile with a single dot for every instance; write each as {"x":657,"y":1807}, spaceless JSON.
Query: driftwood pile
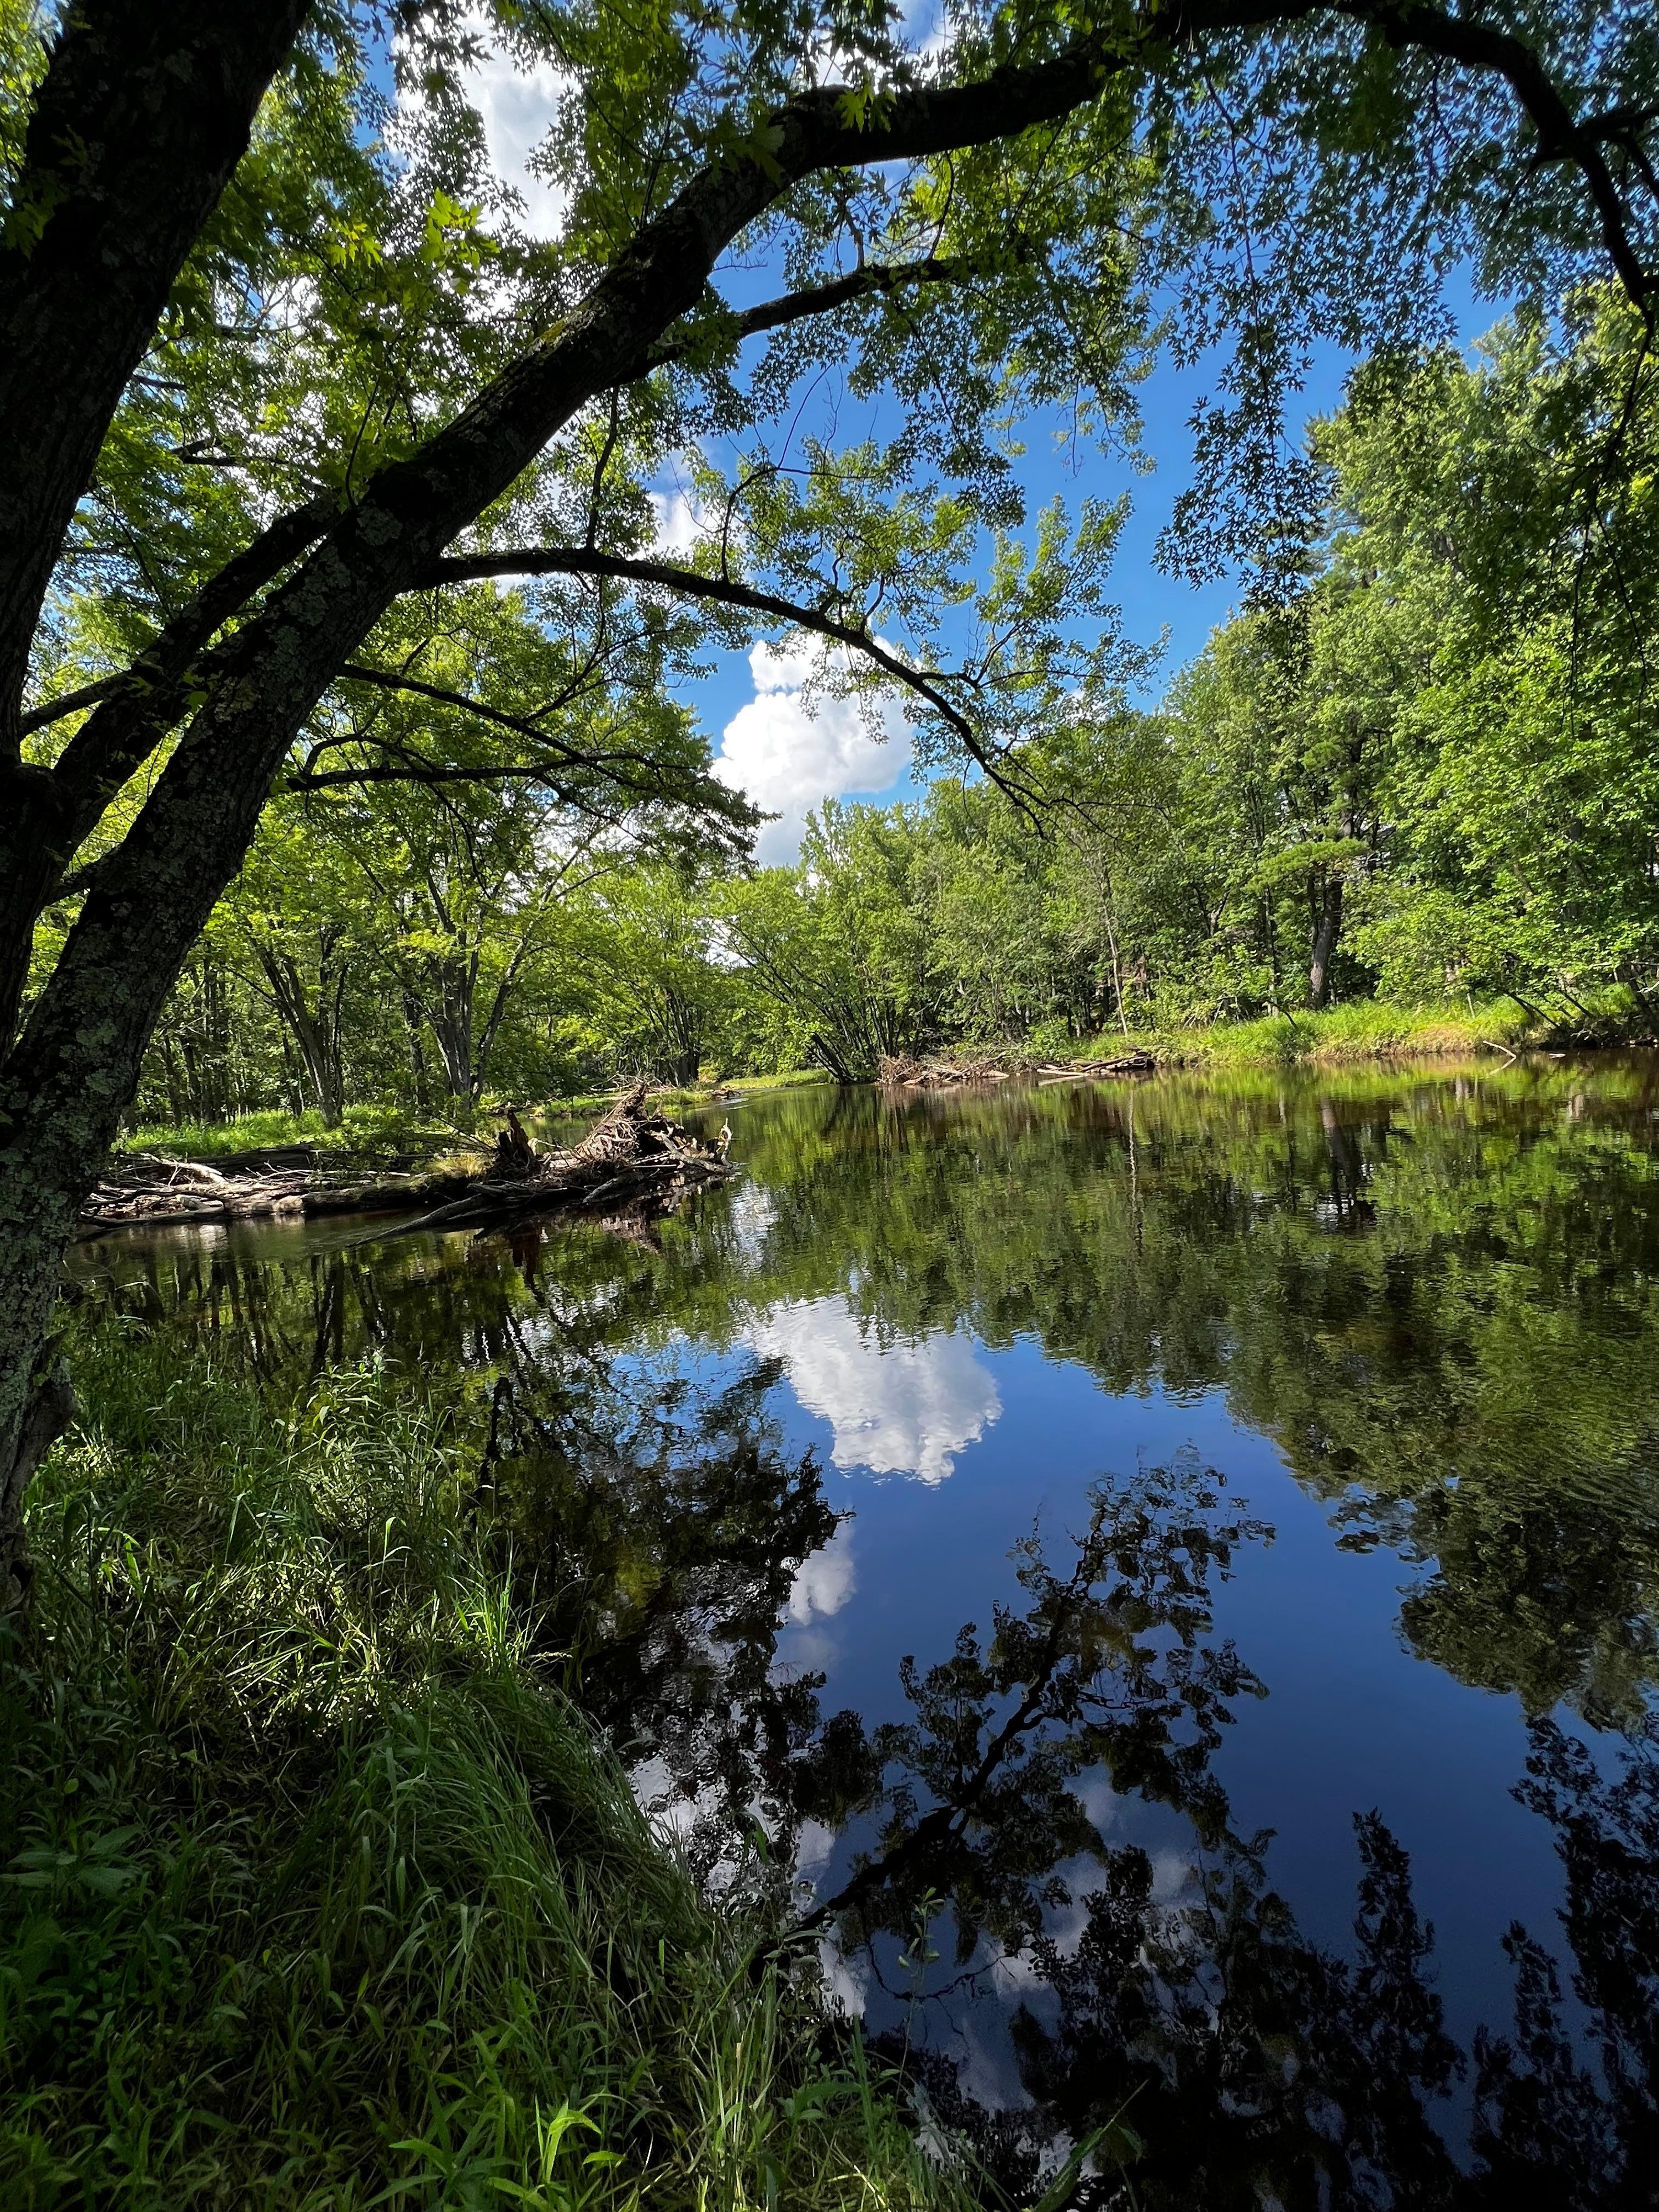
{"x":901,"y":1072}
{"x":1083,"y":1071}
{"x":161,"y":1193}
{"x":635,"y":1158}
{"x":904,"y":1074}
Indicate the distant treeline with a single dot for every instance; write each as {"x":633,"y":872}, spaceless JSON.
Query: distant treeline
{"x":1425,"y":770}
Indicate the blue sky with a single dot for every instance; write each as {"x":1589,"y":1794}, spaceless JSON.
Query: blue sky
{"x":768,"y":738}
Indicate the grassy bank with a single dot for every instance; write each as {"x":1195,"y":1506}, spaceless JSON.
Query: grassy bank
{"x":371,"y":1132}
{"x":1367,"y":1030}
{"x":319,"y":1893}
{"x":1345,"y":1036}
{"x":366,"y":1132}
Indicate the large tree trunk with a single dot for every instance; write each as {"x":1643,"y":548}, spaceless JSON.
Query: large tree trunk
{"x":38,"y":1400}
{"x":142,"y":115}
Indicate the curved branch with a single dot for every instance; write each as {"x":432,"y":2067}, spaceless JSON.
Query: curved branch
{"x":631,"y":773}
{"x":581,"y":561}
{"x":1561,"y":136}
{"x":875,"y":276}
{"x":392,"y":680}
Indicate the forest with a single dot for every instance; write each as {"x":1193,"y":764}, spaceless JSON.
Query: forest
{"x":553,"y":1707}
{"x":1422,"y":774}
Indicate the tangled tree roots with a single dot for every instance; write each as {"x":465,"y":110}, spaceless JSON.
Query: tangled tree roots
{"x":634,"y":1157}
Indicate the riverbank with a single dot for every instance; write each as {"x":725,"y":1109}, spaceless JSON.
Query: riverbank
{"x":1348,"y":1035}
{"x":322,"y":1893}
{"x":1367,"y":1030}
{"x":634,"y":1156}
{"x":386,"y":1139}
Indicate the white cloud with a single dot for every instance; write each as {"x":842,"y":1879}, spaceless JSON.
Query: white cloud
{"x":518,"y":108}
{"x":677,"y":524}
{"x":823,"y":1583}
{"x":788,"y":752}
{"x":752,"y":1210}
{"x":902,"y":1408}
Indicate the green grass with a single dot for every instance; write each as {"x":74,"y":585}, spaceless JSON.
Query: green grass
{"x":209,"y":1140}
{"x":368,"y":1130}
{"x":1366,"y":1028}
{"x":319,"y":1893}
{"x":366,"y":1133}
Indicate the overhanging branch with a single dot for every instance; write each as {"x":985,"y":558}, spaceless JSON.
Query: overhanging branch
{"x":565,"y":775}
{"x":875,"y":277}
{"x":582,"y":560}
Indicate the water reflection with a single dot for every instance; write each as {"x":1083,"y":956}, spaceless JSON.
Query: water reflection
{"x":1438,"y":1299}
{"x":898,"y":1406}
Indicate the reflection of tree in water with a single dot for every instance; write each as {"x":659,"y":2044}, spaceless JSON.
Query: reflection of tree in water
{"x":656,"y":1532}
{"x":1438,"y":1300}
{"x":1104,"y":1675}
{"x":1231,"y":2062}
{"x":1549,"y":2129}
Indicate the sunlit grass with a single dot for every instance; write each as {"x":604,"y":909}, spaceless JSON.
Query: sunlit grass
{"x":368,"y":1130}
{"x":207,"y":1140}
{"x":1364,"y":1029}
{"x":319,"y":1894}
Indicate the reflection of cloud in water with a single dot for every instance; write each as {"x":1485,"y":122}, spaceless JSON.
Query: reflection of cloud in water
{"x":823,"y":1583}
{"x":896,"y":1409}
{"x":751,"y":1213}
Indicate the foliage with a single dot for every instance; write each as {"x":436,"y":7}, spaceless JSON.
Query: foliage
{"x":317,"y":1885}
{"x":1428,"y":774}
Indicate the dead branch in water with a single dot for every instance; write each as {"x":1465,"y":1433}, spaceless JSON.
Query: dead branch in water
{"x":904,"y":1073}
{"x":631,"y":1154}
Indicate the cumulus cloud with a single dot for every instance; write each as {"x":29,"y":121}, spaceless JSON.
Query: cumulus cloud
{"x":823,"y":1583}
{"x":903,"y":1408}
{"x":787,"y":753}
{"x":676,"y":523}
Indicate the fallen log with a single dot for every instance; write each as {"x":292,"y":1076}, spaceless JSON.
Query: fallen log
{"x":631,"y":1156}
{"x":901,"y":1072}
{"x":140,"y":1192}
{"x":634,"y":1155}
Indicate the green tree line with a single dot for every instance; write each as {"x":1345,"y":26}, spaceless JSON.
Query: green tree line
{"x":1426,"y":771}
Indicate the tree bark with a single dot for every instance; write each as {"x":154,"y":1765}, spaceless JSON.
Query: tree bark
{"x":1327,"y":929}
{"x":142,"y":115}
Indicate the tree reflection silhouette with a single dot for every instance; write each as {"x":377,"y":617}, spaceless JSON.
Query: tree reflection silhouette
{"x":656,"y":1530}
{"x":1104,"y":1675}
{"x":1230,"y":2062}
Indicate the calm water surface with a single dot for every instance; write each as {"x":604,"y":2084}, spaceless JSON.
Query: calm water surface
{"x":1172,"y":1572}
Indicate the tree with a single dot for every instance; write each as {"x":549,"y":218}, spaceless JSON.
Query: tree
{"x":841,"y":944}
{"x":654,"y":982}
{"x":237,"y":332}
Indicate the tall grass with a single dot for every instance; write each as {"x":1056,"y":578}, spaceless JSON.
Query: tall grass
{"x":319,"y":1893}
{"x":363,"y":1131}
{"x":1363,"y":1029}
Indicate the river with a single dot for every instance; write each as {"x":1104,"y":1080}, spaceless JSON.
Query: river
{"x":1167,"y":1574}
